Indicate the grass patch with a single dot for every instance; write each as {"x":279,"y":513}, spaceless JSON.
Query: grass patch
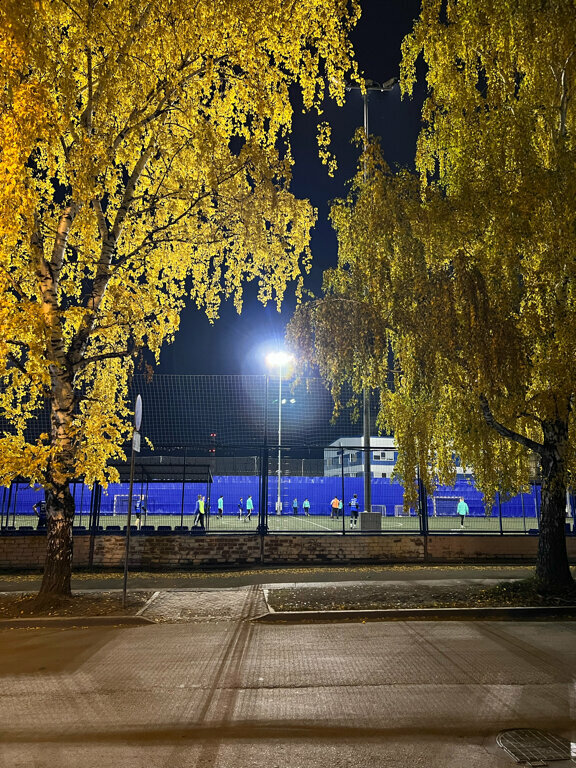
{"x":374,"y":596}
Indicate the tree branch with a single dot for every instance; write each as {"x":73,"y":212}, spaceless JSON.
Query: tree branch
{"x":15,"y":287}
{"x":102,"y":225}
{"x":102,"y":276}
{"x":505,"y":432}
{"x":17,"y":364}
{"x":104,"y":356}
{"x":86,"y":116}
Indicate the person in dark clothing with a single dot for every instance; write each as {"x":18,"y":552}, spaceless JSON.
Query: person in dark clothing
{"x":354,"y":511}
{"x":40,"y":511}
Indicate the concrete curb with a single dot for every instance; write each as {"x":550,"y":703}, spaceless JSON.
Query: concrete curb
{"x":420,"y":614}
{"x":57,"y":622}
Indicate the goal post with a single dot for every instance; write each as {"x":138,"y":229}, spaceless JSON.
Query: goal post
{"x":120,"y":506}
{"x":445,"y":505}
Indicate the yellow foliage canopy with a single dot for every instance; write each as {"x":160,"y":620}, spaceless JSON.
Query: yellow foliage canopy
{"x":455,"y":291}
{"x":144,"y":159}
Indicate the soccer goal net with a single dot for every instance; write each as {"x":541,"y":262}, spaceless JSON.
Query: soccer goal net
{"x":444,"y":505}
{"x":121,"y":503}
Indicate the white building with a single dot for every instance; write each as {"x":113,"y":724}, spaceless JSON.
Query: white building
{"x":348,"y":450}
{"x":383,"y":457}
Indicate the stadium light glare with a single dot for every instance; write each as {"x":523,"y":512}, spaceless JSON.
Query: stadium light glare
{"x":278,"y":360}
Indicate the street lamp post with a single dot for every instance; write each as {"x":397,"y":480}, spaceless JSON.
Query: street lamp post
{"x":278,"y":360}
{"x":369,"y":85}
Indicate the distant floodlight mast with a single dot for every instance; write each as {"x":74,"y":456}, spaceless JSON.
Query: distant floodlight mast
{"x":279,"y":360}
{"x":369,"y":85}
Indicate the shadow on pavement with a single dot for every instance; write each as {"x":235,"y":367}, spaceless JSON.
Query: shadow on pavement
{"x":33,"y":652}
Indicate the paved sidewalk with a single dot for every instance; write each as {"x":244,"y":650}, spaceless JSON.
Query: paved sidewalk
{"x":215,"y":690}
{"x":237,"y":577}
{"x":236,"y":604}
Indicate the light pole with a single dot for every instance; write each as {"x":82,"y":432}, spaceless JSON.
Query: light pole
{"x":135,"y":449}
{"x":369,"y":85}
{"x":278,"y":360}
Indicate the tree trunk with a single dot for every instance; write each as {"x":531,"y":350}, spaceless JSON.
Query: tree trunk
{"x":58,"y":565}
{"x":59,"y":501}
{"x":552,"y":567}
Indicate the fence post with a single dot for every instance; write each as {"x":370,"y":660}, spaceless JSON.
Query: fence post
{"x":343,"y":489}
{"x":8,"y":505}
{"x":94,"y":516}
{"x":263,"y":506}
{"x":14,"y":507}
{"x":183,"y":490}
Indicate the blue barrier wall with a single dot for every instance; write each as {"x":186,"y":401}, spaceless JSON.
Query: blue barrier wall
{"x":172,"y":498}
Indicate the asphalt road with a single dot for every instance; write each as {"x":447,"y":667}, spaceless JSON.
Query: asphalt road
{"x":213,"y":689}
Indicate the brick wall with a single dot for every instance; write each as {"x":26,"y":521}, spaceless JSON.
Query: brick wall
{"x":157,"y":552}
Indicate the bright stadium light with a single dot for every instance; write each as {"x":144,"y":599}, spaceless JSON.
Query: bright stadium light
{"x":278,"y":360}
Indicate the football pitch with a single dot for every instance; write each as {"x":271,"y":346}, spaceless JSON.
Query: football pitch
{"x":288,"y":523}
{"x":405,"y":524}
{"x":315,"y":524}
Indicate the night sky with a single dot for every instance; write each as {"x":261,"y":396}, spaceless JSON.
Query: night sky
{"x":238,"y":344}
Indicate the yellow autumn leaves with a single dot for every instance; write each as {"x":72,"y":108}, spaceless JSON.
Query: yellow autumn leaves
{"x":145,"y":160}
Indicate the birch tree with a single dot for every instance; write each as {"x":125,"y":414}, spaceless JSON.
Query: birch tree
{"x":466,"y":270}
{"x":144,"y":162}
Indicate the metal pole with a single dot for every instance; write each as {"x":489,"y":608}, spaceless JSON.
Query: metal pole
{"x":366,"y":441}
{"x":14,"y":507}
{"x":343,"y":503}
{"x":92,"y":523}
{"x":278,"y":500}
{"x":366,"y":391}
{"x":127,"y":549}
{"x":500,"y":514}
{"x":142,"y":493}
{"x":423,"y":505}
{"x":81,"y":502}
{"x":8,"y":504}
{"x":266,"y":413}
{"x":183,"y":491}
{"x":135,"y":448}
{"x":262,"y":512}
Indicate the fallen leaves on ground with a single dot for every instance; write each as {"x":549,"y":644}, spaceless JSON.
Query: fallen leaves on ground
{"x":374,"y":596}
{"x":21,"y":606}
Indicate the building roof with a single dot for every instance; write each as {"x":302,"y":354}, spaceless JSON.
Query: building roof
{"x":358,"y":442}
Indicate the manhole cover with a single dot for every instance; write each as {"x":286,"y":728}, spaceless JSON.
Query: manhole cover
{"x":534,"y":747}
